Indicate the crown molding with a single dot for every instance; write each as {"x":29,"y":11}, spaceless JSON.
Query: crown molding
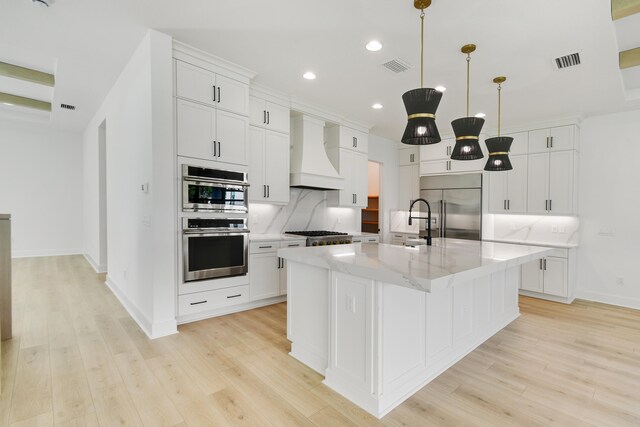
{"x":205,"y":59}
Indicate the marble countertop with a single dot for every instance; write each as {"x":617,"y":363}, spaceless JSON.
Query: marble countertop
{"x":534,"y":243}
{"x":423,"y":268}
{"x":5,"y":216}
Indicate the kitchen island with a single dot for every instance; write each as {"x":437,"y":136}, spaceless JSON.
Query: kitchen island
{"x":381,"y":321}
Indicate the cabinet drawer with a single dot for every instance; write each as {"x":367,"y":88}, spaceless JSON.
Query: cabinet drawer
{"x":263,"y":247}
{"x":375,"y":239}
{"x":209,"y":300}
{"x":293,"y":244}
{"x":560,"y":253}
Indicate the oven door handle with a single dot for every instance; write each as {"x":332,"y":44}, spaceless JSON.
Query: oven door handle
{"x":218,"y":232}
{"x":216,"y":182}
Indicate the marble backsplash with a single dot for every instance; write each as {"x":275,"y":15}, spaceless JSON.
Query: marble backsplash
{"x":532,"y":228}
{"x":307,"y":210}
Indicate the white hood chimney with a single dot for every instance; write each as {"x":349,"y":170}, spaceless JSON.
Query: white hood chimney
{"x":310,"y":166}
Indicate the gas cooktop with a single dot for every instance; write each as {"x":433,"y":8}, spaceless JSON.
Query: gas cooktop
{"x":322,"y":238}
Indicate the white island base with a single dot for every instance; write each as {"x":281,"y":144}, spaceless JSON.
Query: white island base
{"x":377,"y":343}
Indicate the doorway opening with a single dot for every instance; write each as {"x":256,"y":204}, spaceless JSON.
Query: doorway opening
{"x":102,"y":196}
{"x":371,"y":214}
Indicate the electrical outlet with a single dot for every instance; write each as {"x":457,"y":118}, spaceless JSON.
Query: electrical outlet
{"x":561,"y":229}
{"x":554,"y":228}
{"x":350,"y":303}
{"x":144,"y":187}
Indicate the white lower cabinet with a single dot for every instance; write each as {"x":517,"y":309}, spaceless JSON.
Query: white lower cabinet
{"x":199,"y":302}
{"x":401,"y":238}
{"x":267,"y":271}
{"x":551,"y":276}
{"x":366,"y":239}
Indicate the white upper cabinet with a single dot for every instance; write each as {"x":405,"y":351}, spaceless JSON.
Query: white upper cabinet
{"x":348,"y":138}
{"x":409,"y":156}
{"x":353,"y":167}
{"x":551,"y":183}
{"x":553,"y":139}
{"x":268,"y":166}
{"x":200,"y":85}
{"x":440,"y":151}
{"x":508,"y":189}
{"x":269,"y":115}
{"x":206,"y":133}
{"x":520,"y":144}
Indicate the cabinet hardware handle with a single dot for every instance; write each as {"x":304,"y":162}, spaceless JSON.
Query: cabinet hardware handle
{"x":234,"y":296}
{"x":264,"y":117}
{"x":504,"y":205}
{"x":219,"y":149}
{"x":278,"y":262}
{"x":292,"y":245}
{"x":215,"y":149}
{"x":508,"y":204}
{"x":546,"y":205}
{"x":268,"y":117}
{"x":264,"y":191}
{"x":265,"y":247}
{"x":268,"y":191}
{"x":544,"y":263}
{"x":356,"y":197}
{"x":540,"y":267}
{"x":550,"y":203}
{"x":219,"y":97}
{"x":214,"y":93}
{"x":547,"y":142}
{"x":199,"y":302}
{"x":551,"y":141}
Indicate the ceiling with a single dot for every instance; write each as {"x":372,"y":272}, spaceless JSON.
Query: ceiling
{"x":88,"y":42}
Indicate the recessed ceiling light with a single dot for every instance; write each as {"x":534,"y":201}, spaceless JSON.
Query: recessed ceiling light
{"x":377,"y":106}
{"x":374,"y":46}
{"x":441,"y":88}
{"x":309,"y":75}
{"x":481,"y":115}
{"x":8,"y":103}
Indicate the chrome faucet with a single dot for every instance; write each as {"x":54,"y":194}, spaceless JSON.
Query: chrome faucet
{"x":428,"y":218}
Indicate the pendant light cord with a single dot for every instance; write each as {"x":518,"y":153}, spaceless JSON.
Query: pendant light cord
{"x":499,"y":91}
{"x":421,"y":48}
{"x":468,"y":84}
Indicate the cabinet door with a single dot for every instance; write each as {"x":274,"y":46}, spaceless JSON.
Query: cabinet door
{"x":497,"y":191}
{"x":276,"y":167}
{"x":283,"y":276}
{"x":196,"y":125}
{"x":409,"y":156}
{"x":555,"y":276}
{"x":517,"y":185}
{"x":539,"y":141}
{"x":257,"y":189}
{"x":520,"y":143}
{"x":434,"y":168}
{"x":538,"y":183}
{"x":231,"y":134}
{"x":361,"y":179}
{"x":264,"y":279}
{"x":194,"y":83}
{"x":257,"y":111}
{"x":561,"y":182}
{"x":278,"y":118}
{"x":346,"y":197}
{"x":352,"y":139}
{"x":409,"y":183}
{"x":467,"y":165}
{"x":233,"y":95}
{"x":439,"y":151}
{"x":561,"y":138}
{"x":532,"y":277}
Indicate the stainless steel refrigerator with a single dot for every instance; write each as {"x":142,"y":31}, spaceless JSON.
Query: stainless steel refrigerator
{"x":456,"y":205}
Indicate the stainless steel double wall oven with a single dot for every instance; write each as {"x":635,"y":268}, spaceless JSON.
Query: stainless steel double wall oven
{"x":216,"y":243}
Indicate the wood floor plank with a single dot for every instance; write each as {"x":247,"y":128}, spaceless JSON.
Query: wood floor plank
{"x":236,"y":409}
{"x":32,"y":385}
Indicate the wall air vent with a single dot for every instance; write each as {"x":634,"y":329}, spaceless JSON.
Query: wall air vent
{"x":397,"y":65}
{"x":67,"y":107}
{"x":567,"y":61}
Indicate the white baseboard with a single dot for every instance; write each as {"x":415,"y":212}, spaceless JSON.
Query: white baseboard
{"x":44,"y":252}
{"x":563,"y":300}
{"x":96,"y":267}
{"x":621,"y":301}
{"x":152,"y":330}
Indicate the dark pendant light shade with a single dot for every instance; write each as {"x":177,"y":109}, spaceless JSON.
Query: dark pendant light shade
{"x":467,"y":130}
{"x":421,"y":105}
{"x":498,"y":154}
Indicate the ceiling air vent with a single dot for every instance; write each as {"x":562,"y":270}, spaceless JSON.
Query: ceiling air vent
{"x":568,"y":61}
{"x":396,"y":65}
{"x":67,"y":107}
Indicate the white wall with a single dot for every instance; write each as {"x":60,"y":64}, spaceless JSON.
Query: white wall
{"x":41,"y":187}
{"x":385,"y":152}
{"x":141,"y":227}
{"x":609,"y":199}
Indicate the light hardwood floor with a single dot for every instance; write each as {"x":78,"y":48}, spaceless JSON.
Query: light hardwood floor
{"x":77,"y":359}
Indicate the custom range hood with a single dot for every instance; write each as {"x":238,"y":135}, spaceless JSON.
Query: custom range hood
{"x":310,"y":165}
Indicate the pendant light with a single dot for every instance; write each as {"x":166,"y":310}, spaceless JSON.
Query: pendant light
{"x":467,"y":129}
{"x":421,"y":104}
{"x":499,"y":146}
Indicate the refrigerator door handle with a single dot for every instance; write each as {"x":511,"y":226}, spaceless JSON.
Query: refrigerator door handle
{"x":444,"y":218}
